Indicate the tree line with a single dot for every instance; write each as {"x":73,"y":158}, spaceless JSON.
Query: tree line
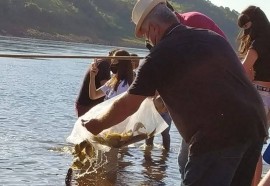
{"x":94,"y":21}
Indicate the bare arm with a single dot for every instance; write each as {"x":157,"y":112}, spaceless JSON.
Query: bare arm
{"x":122,"y":108}
{"x":94,"y":93}
{"x":248,"y":63}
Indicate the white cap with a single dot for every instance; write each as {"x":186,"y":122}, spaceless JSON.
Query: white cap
{"x":141,"y":9}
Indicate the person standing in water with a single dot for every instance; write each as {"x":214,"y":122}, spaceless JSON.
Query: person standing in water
{"x":186,"y":67}
{"x":197,"y":20}
{"x":163,"y":111}
{"x":83,"y":101}
{"x":119,"y":82}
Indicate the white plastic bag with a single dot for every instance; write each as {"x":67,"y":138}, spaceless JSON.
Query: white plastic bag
{"x":144,"y":123}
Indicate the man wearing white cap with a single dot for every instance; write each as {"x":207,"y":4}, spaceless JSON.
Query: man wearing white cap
{"x":191,"y":19}
{"x":201,"y":81}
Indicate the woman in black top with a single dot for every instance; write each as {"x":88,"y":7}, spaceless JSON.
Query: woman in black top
{"x":255,"y":47}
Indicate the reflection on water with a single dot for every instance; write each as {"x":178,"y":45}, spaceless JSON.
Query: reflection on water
{"x":152,"y":168}
{"x":94,"y":179}
{"x":155,"y":167}
{"x":37,"y":114}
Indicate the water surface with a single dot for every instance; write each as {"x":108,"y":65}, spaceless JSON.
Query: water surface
{"x":37,"y":114}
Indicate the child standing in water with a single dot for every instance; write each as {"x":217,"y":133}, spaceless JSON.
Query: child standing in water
{"x":122,"y":77}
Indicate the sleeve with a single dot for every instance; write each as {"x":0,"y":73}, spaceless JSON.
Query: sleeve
{"x":105,"y":88}
{"x":258,"y":46}
{"x":145,"y":81}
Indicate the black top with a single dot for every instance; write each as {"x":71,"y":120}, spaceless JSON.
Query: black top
{"x":103,"y":74}
{"x":262,"y":64}
{"x":202,"y":82}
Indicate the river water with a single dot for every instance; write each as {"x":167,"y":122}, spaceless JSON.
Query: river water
{"x":37,"y":115}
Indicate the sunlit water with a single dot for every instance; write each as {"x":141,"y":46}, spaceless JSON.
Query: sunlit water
{"x":37,"y":114}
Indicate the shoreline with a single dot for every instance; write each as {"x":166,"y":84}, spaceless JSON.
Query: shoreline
{"x":35,"y":34}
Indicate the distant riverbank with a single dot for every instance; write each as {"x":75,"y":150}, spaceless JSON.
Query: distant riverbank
{"x":35,"y":34}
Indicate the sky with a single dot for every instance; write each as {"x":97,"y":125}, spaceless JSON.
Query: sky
{"x":240,"y":5}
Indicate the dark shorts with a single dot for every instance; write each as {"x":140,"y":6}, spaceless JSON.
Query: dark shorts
{"x":233,"y":166}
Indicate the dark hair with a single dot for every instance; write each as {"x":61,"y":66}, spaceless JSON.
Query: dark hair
{"x":169,"y":6}
{"x":260,"y":27}
{"x":113,"y":51}
{"x":135,"y":62}
{"x":242,"y":20}
{"x":132,"y":54}
{"x":124,"y":70}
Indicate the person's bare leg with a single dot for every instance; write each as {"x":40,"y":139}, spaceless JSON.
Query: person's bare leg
{"x":258,"y":173}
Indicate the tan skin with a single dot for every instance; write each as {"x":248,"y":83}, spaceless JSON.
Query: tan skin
{"x":93,"y":92}
{"x":248,"y":63}
{"x":127,"y":104}
{"x":152,"y":31}
{"x":250,"y":58}
{"x":265,"y":181}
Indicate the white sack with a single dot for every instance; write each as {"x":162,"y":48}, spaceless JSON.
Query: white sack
{"x":146,"y":114}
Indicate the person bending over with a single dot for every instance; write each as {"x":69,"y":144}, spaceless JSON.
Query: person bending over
{"x":186,"y":67}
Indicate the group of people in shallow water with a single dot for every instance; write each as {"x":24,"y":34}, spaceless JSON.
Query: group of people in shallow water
{"x":219,"y":104}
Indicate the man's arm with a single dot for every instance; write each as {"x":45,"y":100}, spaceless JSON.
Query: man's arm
{"x":122,"y":108}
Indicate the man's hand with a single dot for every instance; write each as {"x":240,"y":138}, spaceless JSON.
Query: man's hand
{"x":93,"y":126}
